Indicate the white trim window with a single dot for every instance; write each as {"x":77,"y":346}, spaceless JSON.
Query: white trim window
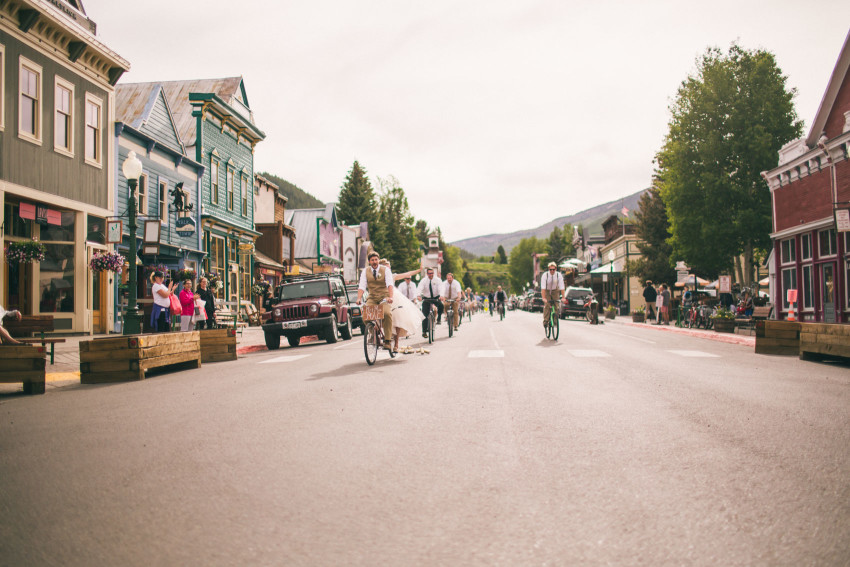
{"x":244,"y":195}
{"x":214,"y":175}
{"x":788,"y":251}
{"x":789,"y":281}
{"x":163,"y":200}
{"x":29,"y":109}
{"x":230,"y":174}
{"x":807,"y":301}
{"x":142,"y":201}
{"x":63,"y":117}
{"x":827,"y":243}
{"x":94,"y":131}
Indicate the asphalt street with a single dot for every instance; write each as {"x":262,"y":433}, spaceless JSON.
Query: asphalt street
{"x":615,"y":445}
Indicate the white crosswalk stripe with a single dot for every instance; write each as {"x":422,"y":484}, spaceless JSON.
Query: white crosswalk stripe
{"x":590,"y":353}
{"x":694,"y":354}
{"x":284,"y":359}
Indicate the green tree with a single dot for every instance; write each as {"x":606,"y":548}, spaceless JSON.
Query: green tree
{"x":653,"y":230}
{"x":397,"y":227}
{"x":728,"y":122}
{"x":521,"y":264}
{"x":422,"y":232}
{"x":358,"y":203}
{"x":502,"y":257}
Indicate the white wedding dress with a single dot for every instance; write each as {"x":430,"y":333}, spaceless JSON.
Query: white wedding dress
{"x":406,"y":315}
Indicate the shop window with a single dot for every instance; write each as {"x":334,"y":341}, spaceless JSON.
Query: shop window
{"x":788,"y":251}
{"x":789,"y":281}
{"x":232,"y":250}
{"x":96,"y":230}
{"x":63,"y":232}
{"x":808,"y":298}
{"x":216,"y":254}
{"x":13,"y":224}
{"x":94,"y":130}
{"x":826,"y":242}
{"x":806,"y":246}
{"x":29,"y":109}
{"x":63,"y":117}
{"x":56,"y":279}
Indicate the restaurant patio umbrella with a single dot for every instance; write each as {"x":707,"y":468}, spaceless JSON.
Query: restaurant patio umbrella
{"x":765,"y":281}
{"x":692,"y":280}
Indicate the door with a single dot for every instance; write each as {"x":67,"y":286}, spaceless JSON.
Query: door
{"x":98,"y":282}
{"x":828,"y":292}
{"x":17,"y":287}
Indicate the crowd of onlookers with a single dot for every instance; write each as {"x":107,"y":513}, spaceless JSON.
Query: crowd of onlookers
{"x":196,"y":308}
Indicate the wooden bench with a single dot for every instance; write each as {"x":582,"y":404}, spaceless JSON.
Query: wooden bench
{"x":228,"y":314}
{"x":760,"y":313}
{"x":125,"y":358}
{"x":23,"y":364}
{"x":34,"y":324}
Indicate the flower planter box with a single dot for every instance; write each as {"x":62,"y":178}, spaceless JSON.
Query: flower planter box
{"x":638,"y":317}
{"x":610,"y":314}
{"x":724,"y":325}
{"x":127,"y":358}
{"x":824,"y":340}
{"x":23,"y":364}
{"x":218,"y":345}
{"x":778,"y":337}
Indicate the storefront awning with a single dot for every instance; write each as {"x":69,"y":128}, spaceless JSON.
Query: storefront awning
{"x":605,"y":269}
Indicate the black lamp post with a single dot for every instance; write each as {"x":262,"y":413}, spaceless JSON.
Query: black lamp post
{"x":132,"y":169}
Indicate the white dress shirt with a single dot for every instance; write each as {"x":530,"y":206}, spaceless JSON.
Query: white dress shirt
{"x":408,"y":289}
{"x":427,"y":286}
{"x":452,"y":290}
{"x":552,"y":282}
{"x":388,"y":277}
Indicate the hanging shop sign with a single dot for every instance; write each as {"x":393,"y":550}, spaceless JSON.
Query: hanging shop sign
{"x":40,"y":214}
{"x":185,"y":226}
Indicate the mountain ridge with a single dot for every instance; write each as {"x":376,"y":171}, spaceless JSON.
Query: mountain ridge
{"x":591,"y":219}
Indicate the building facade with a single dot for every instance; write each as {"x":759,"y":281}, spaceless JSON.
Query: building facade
{"x":168,"y":191}
{"x":318,"y":247}
{"x":276,"y":243}
{"x":810,"y":192}
{"x":57,"y":86}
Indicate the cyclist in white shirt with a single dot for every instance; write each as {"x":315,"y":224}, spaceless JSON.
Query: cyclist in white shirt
{"x":408,"y":289}
{"x":429,"y":290}
{"x":551,"y":288}
{"x":452,"y":291}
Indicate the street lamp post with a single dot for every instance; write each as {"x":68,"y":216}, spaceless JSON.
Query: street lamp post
{"x":132,"y":169}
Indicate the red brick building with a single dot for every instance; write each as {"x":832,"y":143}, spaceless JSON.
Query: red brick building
{"x":810,"y":190}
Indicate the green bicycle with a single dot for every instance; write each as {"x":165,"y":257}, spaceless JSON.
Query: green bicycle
{"x":553,"y":329}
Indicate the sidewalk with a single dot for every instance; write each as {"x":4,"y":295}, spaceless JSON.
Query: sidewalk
{"x":731,"y":338}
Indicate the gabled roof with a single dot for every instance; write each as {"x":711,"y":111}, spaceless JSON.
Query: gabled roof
{"x":304,"y":222}
{"x":134,"y":103}
{"x":229,"y":90}
{"x":825,"y":109}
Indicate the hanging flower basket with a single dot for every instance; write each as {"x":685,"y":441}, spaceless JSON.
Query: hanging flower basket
{"x":25,"y":252}
{"x":186,"y":274}
{"x":261,"y":288}
{"x":107,"y":261}
{"x":215,"y":282}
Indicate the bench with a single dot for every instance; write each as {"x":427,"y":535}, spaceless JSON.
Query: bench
{"x":125,"y":358}
{"x":23,"y":364}
{"x":760,"y":313}
{"x":34,"y":324}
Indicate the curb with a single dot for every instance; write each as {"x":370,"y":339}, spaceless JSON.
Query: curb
{"x":729,"y":338}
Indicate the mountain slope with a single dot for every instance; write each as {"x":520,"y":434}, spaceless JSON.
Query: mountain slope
{"x":297,"y":198}
{"x":591,"y":219}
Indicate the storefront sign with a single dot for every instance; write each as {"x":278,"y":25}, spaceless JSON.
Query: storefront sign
{"x":842,"y":220}
{"x":725,"y":284}
{"x":185,"y":226}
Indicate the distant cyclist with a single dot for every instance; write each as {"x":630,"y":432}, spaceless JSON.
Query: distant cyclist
{"x":491,"y":303}
{"x":551,"y":288}
{"x":501,"y":297}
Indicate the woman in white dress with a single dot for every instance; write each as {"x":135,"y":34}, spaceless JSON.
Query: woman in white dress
{"x":407,"y":318}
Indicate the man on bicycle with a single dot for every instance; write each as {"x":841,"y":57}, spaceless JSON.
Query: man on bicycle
{"x":452,"y":292}
{"x":429,"y":290}
{"x":500,"y":297}
{"x":551,"y":288}
{"x":378,"y":281}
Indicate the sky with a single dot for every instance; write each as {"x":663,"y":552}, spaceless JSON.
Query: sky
{"x":494,"y":116}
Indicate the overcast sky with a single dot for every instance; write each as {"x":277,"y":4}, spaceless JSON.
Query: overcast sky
{"x":493,"y":115}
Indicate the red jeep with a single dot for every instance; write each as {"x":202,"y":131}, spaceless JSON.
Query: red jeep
{"x":308,"y":305}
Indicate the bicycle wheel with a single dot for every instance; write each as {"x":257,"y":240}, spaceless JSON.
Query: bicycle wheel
{"x":370,"y":342}
{"x":549,"y":328}
{"x":431,"y":325}
{"x":556,"y":326}
{"x":501,"y":313}
{"x":469,"y":314}
{"x":450,"y":320}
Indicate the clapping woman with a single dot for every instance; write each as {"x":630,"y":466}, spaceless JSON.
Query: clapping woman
{"x":161,"y":314}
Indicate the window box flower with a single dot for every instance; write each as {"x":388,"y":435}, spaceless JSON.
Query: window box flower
{"x":25,"y":252}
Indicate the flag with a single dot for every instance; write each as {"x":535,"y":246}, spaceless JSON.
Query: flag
{"x":625,"y":211}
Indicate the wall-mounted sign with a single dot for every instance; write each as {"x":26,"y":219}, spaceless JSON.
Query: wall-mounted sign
{"x":725,"y":284}
{"x":114,"y":229}
{"x":842,"y":220}
{"x":185,"y":226}
{"x":152,"y":228}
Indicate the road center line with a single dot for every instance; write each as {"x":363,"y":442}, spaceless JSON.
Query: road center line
{"x":495,"y":342}
{"x":631,"y":337}
{"x":284,"y":359}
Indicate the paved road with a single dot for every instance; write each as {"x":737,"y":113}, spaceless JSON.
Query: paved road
{"x":616,"y":445}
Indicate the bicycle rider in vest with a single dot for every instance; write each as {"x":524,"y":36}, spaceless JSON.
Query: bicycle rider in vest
{"x":452,"y":291}
{"x":551,"y":288}
{"x":429,"y":290}
{"x":501,"y":297}
{"x":378,"y":281}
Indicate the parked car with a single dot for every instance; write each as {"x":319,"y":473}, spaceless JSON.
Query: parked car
{"x":309,"y":305}
{"x":573,"y":303}
{"x":354,"y":310}
{"x":536,"y":302}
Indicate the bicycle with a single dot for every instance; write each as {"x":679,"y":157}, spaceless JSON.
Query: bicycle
{"x":373,"y":332}
{"x":553,"y":329}
{"x":501,"y":310}
{"x":450,"y":311}
{"x":432,"y":319}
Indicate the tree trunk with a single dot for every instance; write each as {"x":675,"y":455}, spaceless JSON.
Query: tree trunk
{"x":739,"y":274}
{"x":748,"y":264}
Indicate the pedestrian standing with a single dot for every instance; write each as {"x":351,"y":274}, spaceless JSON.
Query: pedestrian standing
{"x":161,"y":313}
{"x":205,"y":294}
{"x":649,"y":296}
{"x":665,"y":294}
{"x":187,"y":303}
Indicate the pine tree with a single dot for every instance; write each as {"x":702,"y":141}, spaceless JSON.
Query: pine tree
{"x":356,"y":202}
{"x":503,"y":258}
{"x":653,"y":231}
{"x":397,"y":227}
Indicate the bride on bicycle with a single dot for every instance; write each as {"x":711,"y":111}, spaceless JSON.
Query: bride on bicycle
{"x":406,"y":316}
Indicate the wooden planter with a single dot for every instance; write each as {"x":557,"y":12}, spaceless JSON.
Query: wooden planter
{"x":126,"y":358}
{"x":818,"y":340}
{"x":722,"y":325}
{"x":23,"y":364}
{"x":638,"y":317}
{"x":778,"y":337}
{"x":610,"y":314}
{"x":218,"y":345}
